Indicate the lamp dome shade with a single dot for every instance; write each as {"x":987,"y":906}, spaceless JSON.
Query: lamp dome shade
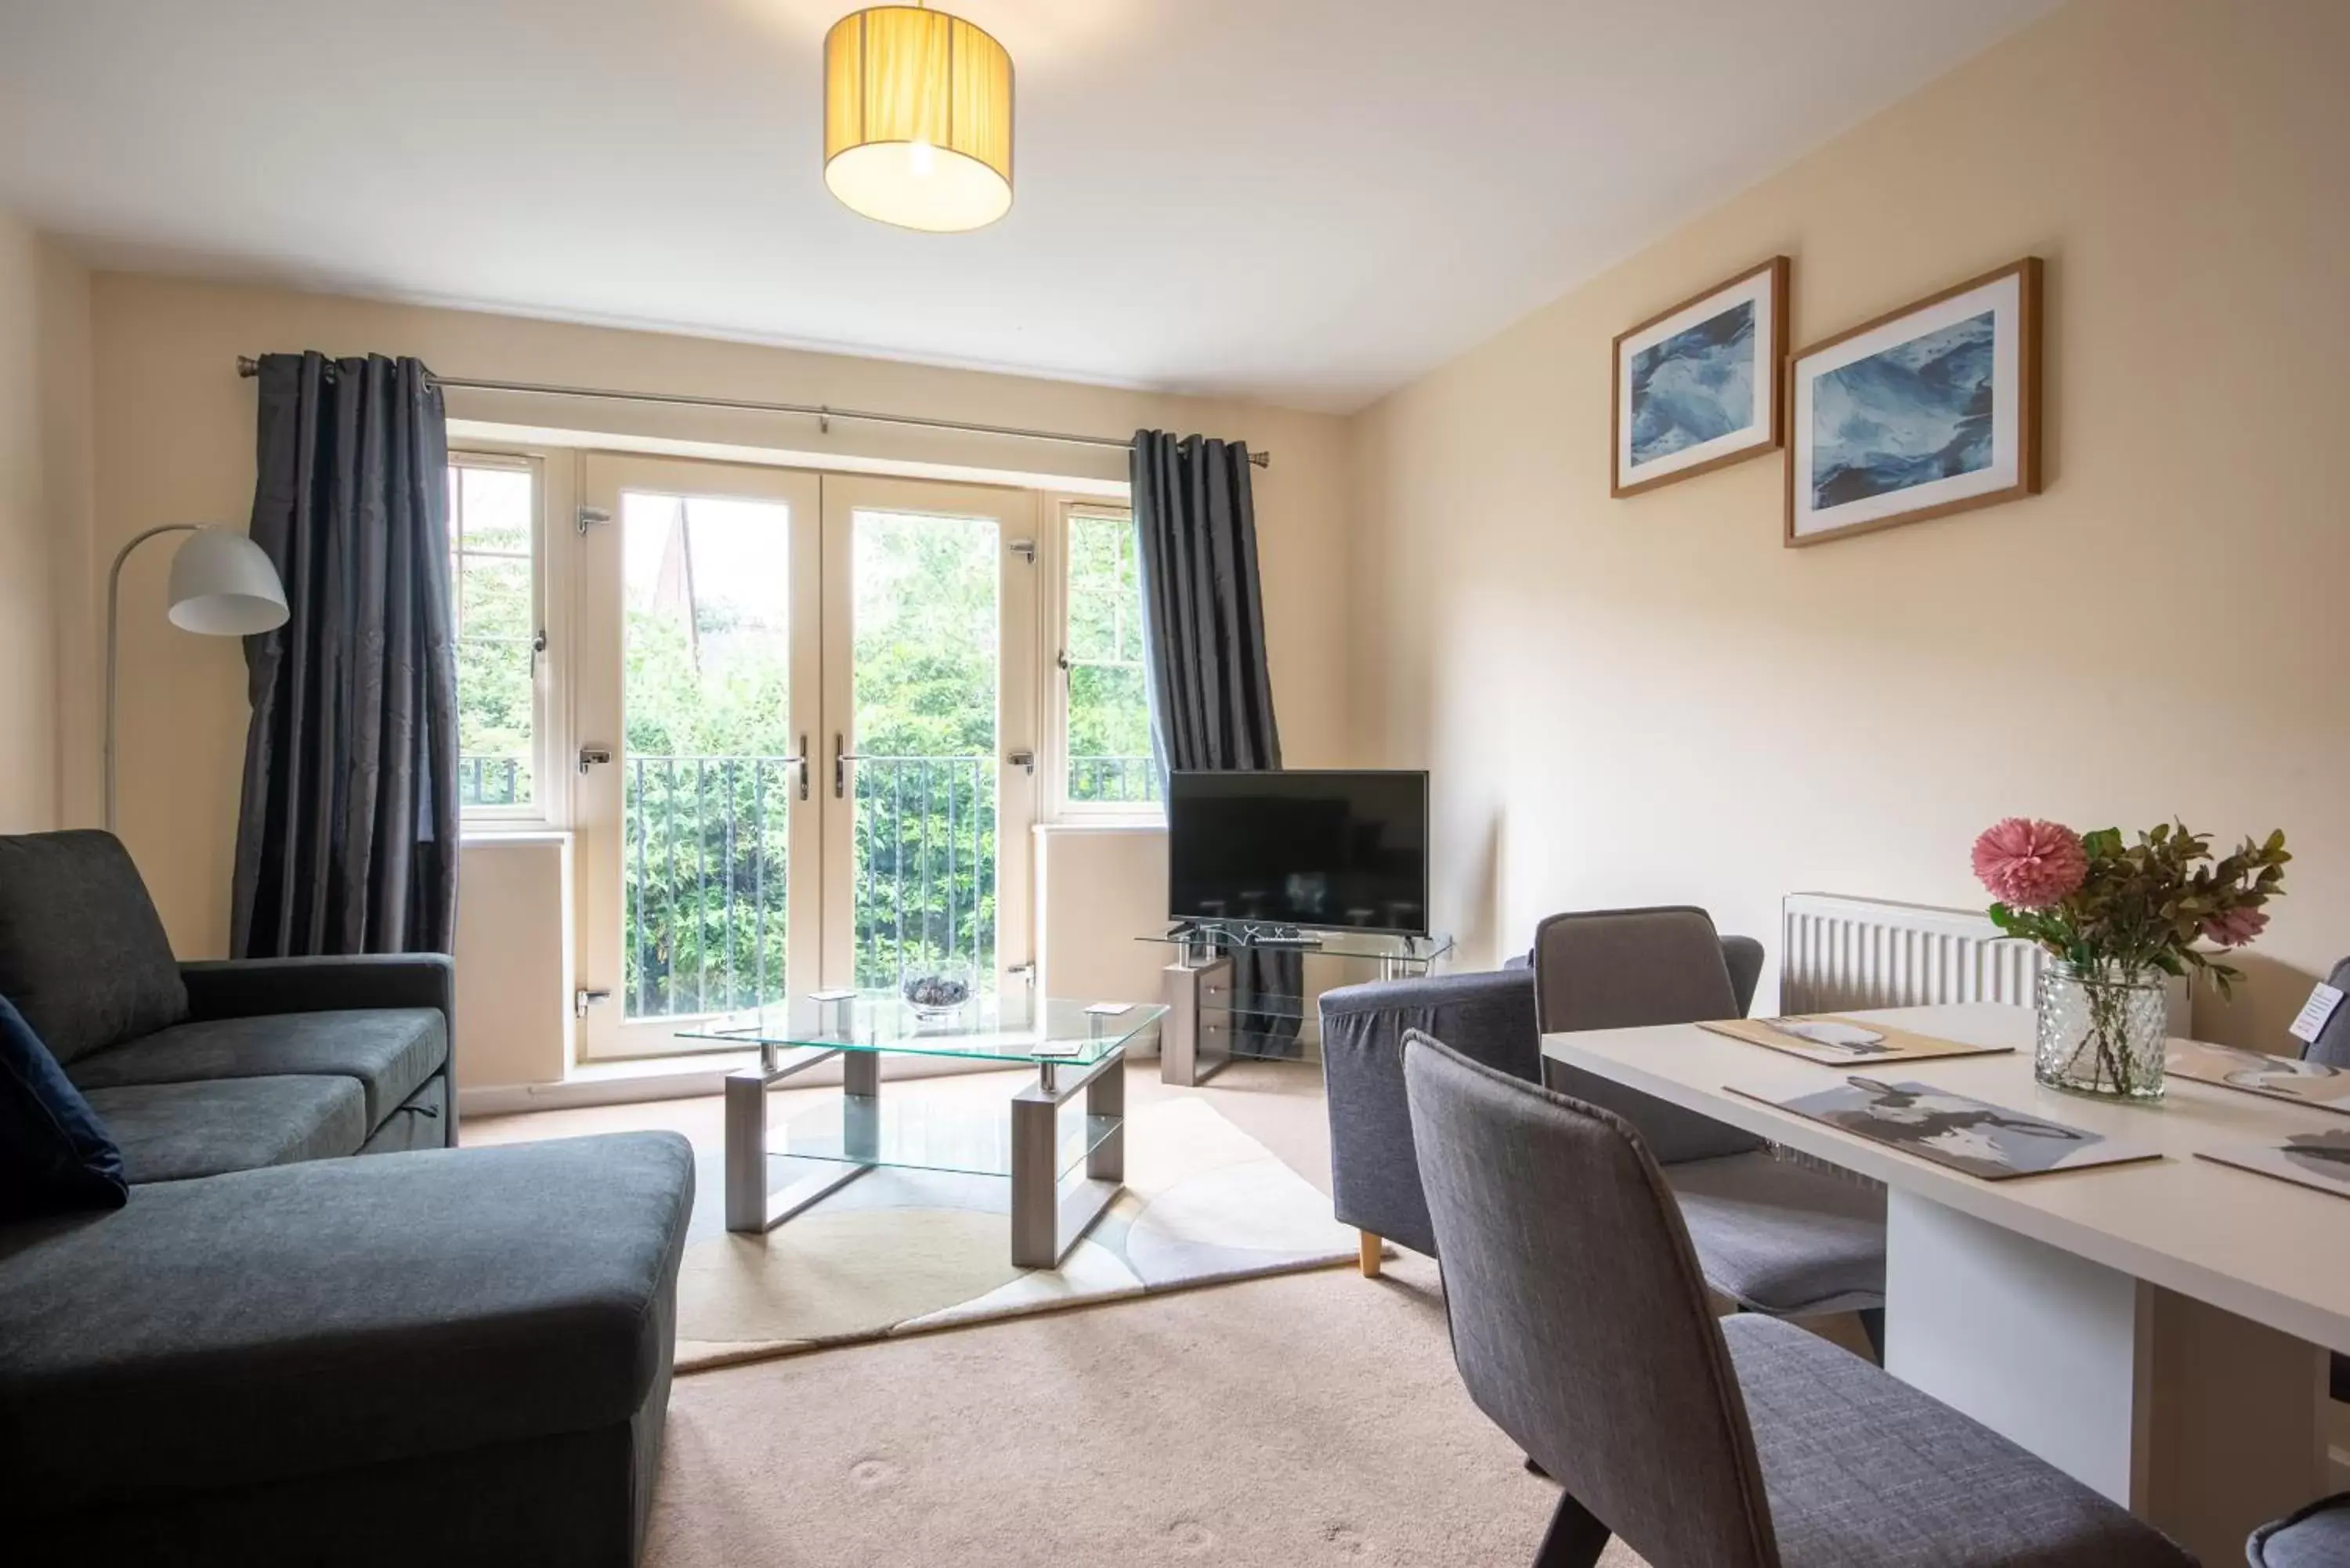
{"x":223,"y":585}
{"x":918,"y":119}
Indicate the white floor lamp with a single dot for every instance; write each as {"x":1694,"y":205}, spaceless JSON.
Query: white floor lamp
{"x":222,"y":586}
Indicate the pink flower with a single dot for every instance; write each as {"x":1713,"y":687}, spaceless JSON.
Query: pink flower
{"x":2030,"y":865}
{"x":2235,"y":928}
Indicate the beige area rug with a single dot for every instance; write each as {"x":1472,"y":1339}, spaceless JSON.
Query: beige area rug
{"x":1308,"y":1421}
{"x":905,"y":1252}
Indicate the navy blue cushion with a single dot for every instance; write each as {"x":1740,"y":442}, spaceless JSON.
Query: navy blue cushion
{"x":54,"y":1154}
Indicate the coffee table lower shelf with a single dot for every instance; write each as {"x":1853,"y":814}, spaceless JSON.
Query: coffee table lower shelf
{"x":1064,"y":1170}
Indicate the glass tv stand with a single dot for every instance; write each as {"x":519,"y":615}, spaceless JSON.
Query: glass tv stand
{"x":1221,"y":982}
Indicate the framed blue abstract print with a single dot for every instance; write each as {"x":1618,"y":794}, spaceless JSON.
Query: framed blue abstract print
{"x":1931,"y":410}
{"x":1698,"y":385}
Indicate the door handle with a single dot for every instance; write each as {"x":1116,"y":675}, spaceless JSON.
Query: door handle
{"x":841,"y":757}
{"x":801,"y":762}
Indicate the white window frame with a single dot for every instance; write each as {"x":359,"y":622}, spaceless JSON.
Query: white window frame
{"x":550,"y":805}
{"x":1055,"y":599}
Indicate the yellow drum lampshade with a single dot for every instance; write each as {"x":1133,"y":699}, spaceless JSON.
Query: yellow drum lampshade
{"x":918,"y":119}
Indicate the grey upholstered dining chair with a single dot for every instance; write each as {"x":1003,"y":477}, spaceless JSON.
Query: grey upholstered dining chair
{"x":1772,"y":1235}
{"x":1581,"y":1326}
{"x":2318,"y":1536}
{"x":2331,"y":1047}
{"x":1374,"y":1175}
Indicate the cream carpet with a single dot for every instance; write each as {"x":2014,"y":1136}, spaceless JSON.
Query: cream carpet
{"x":1307,"y":1419}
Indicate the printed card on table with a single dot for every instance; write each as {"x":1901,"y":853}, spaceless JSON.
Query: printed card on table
{"x":1953,"y":1130}
{"x":1846,"y":1042}
{"x":2312,"y":1084}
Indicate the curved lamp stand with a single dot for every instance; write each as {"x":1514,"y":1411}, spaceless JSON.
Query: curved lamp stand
{"x":222,"y":584}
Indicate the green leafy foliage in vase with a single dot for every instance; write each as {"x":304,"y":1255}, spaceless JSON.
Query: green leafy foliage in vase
{"x":2114,"y":910}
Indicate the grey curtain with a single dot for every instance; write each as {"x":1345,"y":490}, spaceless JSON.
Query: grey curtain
{"x":347,"y":840}
{"x":1204,"y":613}
{"x":1210,"y":687}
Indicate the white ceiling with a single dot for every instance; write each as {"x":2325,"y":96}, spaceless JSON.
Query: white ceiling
{"x":1307,"y":201}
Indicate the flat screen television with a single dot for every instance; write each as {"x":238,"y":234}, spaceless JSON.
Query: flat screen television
{"x":1327,"y":850}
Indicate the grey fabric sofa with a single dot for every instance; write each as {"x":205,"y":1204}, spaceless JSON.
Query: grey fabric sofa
{"x":202,"y":1068}
{"x":313,"y":1334}
{"x":455,"y":1357}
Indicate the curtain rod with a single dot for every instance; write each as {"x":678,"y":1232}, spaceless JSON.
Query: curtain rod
{"x":249,"y":367}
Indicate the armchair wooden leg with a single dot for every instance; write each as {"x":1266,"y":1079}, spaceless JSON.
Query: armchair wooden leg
{"x":1370,"y":1255}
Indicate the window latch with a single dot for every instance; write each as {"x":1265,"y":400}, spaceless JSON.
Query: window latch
{"x":594,"y":756}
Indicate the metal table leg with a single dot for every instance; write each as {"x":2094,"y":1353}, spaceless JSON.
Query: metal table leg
{"x":751,"y":1208}
{"x":1046,"y":1222}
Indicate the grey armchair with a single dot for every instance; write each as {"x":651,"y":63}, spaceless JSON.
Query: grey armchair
{"x":1704,"y":1443}
{"x":1488,"y":1017}
{"x":1773,"y":1236}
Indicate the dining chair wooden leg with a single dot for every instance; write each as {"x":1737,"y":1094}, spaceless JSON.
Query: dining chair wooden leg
{"x":1369,"y":1255}
{"x":1575,"y":1539}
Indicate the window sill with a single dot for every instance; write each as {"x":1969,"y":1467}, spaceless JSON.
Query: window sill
{"x":1104,"y":824}
{"x":470,"y":834}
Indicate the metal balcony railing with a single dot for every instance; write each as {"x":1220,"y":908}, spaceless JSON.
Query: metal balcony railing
{"x":1113,"y":779}
{"x":706,"y":866}
{"x":490,"y":780}
{"x":705,"y":863}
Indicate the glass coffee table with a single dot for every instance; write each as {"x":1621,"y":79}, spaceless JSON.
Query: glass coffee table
{"x":1064,"y":1168}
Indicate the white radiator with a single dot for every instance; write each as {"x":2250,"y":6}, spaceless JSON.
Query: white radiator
{"x":1838,"y":953}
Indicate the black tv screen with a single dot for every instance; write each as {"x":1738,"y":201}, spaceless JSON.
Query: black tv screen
{"x":1332,"y":850}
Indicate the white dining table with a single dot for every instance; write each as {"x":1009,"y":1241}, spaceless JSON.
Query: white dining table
{"x":2156,"y":1330}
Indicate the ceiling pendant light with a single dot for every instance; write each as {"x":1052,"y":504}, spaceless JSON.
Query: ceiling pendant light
{"x":918,"y":119}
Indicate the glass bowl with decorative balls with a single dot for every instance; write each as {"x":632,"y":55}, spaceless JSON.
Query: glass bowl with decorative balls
{"x":938,"y":993}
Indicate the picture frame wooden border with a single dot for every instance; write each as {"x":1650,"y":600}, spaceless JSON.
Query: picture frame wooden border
{"x":1782,"y":272}
{"x":2031,"y":316}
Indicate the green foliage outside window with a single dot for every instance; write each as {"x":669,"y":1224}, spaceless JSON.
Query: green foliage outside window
{"x":1110,"y":705}
{"x":496,"y":622}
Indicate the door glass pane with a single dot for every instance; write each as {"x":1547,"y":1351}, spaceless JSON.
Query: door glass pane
{"x":925,"y":678}
{"x":1109,"y":707}
{"x":706,"y":782}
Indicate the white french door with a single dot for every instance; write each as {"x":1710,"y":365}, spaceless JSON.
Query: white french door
{"x":804,"y":684}
{"x":930,"y":689}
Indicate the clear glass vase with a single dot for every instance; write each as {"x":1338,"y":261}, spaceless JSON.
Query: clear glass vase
{"x":2103,"y":1035}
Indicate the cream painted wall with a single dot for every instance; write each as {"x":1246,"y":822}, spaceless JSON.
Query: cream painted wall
{"x":175,"y":437}
{"x":1099,"y":888}
{"x":45,"y":467}
{"x":1652,"y":701}
{"x":515,"y":954}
